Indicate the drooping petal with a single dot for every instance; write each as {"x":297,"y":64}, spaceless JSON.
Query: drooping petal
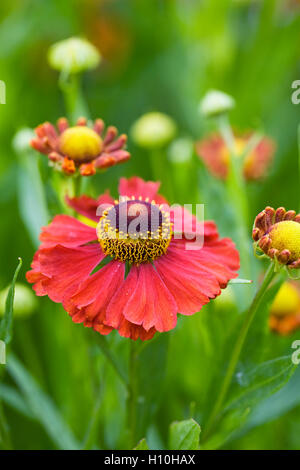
{"x":95,"y":294}
{"x":195,"y":277}
{"x":61,"y":270}
{"x":67,"y":231}
{"x":143,"y":299}
{"x":89,"y":207}
{"x":218,"y":256}
{"x":138,"y":187}
{"x":186,"y":225}
{"x":130,"y":330}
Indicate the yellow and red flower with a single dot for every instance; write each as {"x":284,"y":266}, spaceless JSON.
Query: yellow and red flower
{"x":80,"y":148}
{"x":148,"y":278}
{"x":215,"y":155}
{"x":285,"y":310}
{"x":277,"y":234}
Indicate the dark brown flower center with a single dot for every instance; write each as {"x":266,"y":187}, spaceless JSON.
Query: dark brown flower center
{"x":134,"y":230}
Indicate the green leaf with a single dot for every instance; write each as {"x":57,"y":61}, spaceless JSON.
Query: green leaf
{"x":12,"y":398}
{"x":151,"y":362}
{"x":42,"y":406}
{"x":254,"y":386}
{"x":142,"y":445}
{"x":278,"y":404}
{"x":7,"y":320}
{"x":31,"y":196}
{"x":262,"y":381}
{"x":228,"y":425}
{"x":184,"y":435}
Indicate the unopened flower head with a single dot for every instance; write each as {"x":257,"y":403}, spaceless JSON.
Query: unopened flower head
{"x":80,"y":149}
{"x":285,"y":309}
{"x":215,"y":154}
{"x":25,"y":302}
{"x":153,"y":130}
{"x":215,"y":103}
{"x":73,"y":55}
{"x":276,"y":233}
{"x":181,"y":150}
{"x":21,"y":140}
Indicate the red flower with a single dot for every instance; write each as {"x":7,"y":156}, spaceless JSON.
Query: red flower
{"x":80,"y":147}
{"x":164,"y":277}
{"x":215,"y":154}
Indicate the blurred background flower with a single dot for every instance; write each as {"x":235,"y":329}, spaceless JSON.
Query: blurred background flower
{"x":285,"y":309}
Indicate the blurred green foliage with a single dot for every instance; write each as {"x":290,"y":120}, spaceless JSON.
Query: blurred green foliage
{"x":162,"y":56}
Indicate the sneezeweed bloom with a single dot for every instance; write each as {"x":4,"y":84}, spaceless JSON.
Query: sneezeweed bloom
{"x":276,"y":234}
{"x":73,"y":55}
{"x":215,"y":154}
{"x":285,"y":310}
{"x":80,"y":148}
{"x":128,"y":276}
{"x":153,"y":130}
{"x":25,"y":302}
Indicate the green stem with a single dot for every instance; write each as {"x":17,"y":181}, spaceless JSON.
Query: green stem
{"x":132,"y":396}
{"x":161,"y":171}
{"x":70,"y":85}
{"x":76,"y":181}
{"x":299,"y":157}
{"x":5,"y":441}
{"x":102,"y":343}
{"x":270,"y":274}
{"x":236,"y":191}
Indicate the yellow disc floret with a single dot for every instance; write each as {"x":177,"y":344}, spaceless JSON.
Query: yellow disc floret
{"x":80,"y":143}
{"x":135,"y":231}
{"x":285,"y":235}
{"x":287,"y":300}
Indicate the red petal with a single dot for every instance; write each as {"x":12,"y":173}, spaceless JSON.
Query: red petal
{"x":88,"y":206}
{"x":144,"y":300}
{"x":195,"y":277}
{"x":188,"y":225}
{"x":63,"y":269}
{"x":95,"y":293}
{"x":67,"y":231}
{"x":138,"y":187}
{"x":129,"y":330}
{"x":220,"y":257}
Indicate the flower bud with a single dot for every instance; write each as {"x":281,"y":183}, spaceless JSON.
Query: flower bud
{"x":153,"y":130}
{"x":24,"y":300}
{"x":73,"y":55}
{"x":181,"y":150}
{"x":277,"y":235}
{"x":216,"y":102}
{"x":285,"y":309}
{"x":21,"y":140}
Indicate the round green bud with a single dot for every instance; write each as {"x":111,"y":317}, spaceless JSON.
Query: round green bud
{"x":153,"y":130}
{"x":22,"y":139}
{"x":181,"y":150}
{"x":73,"y":55}
{"x":25,"y":302}
{"x":216,"y":102}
